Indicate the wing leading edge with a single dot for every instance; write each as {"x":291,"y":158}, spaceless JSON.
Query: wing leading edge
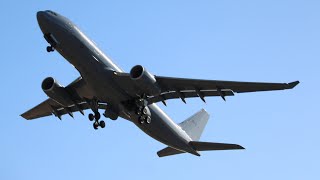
{"x":182,"y":88}
{"x":169,"y":83}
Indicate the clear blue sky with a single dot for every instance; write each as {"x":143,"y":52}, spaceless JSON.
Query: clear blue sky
{"x":269,"y":40}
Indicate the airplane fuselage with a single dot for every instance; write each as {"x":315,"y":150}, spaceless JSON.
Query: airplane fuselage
{"x":97,"y":71}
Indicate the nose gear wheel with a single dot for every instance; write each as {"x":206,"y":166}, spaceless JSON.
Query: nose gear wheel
{"x":50,"y":49}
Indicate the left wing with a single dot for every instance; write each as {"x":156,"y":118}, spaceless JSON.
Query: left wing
{"x":173,"y":88}
{"x":77,"y":89}
{"x":50,"y":107}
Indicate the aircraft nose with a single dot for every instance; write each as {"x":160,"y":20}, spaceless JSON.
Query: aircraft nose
{"x":43,"y":21}
{"x":40,"y":16}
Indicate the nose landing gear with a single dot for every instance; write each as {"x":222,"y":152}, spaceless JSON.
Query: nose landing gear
{"x":50,"y":48}
{"x":51,"y":40}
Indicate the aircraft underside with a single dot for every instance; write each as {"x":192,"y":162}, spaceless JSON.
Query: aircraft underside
{"x":132,"y":96}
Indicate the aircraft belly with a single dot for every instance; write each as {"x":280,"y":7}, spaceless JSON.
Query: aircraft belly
{"x":101,"y":81}
{"x":96,"y":73}
{"x":87,"y":62}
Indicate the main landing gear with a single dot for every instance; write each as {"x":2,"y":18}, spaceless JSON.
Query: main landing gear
{"x":96,"y":117}
{"x":144,"y":115}
{"x":94,"y":105}
{"x":143,"y":112}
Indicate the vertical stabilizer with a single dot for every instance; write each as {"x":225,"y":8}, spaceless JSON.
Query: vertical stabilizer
{"x":195,"y":125}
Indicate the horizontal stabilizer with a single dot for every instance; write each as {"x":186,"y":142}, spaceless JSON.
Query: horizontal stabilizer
{"x":293,"y":84}
{"x":169,"y":151}
{"x":200,"y":146}
{"x":209,"y":146}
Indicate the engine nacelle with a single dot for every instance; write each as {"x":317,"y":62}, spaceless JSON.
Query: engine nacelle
{"x":145,"y":80}
{"x":56,"y":92}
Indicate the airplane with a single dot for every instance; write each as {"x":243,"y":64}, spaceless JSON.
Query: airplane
{"x":103,"y":85}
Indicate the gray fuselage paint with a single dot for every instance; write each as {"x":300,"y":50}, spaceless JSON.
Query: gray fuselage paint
{"x":97,"y":69}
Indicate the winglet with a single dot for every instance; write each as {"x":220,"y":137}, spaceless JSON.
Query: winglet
{"x":293,"y":84}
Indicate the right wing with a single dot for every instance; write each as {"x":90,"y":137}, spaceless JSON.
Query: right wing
{"x":187,"y":94}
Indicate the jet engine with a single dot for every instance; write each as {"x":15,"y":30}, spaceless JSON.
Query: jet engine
{"x":56,"y":92}
{"x":145,"y":80}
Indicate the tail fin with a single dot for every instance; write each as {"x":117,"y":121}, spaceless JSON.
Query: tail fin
{"x":195,"y":125}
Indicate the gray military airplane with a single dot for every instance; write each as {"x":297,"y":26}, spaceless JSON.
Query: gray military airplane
{"x":132,"y":96}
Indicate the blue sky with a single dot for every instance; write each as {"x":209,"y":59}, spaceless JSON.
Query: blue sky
{"x":269,"y":40}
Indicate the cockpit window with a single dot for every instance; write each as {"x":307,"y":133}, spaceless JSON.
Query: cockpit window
{"x":51,"y":12}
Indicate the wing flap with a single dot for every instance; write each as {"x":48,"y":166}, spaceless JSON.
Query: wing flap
{"x":188,"y":94}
